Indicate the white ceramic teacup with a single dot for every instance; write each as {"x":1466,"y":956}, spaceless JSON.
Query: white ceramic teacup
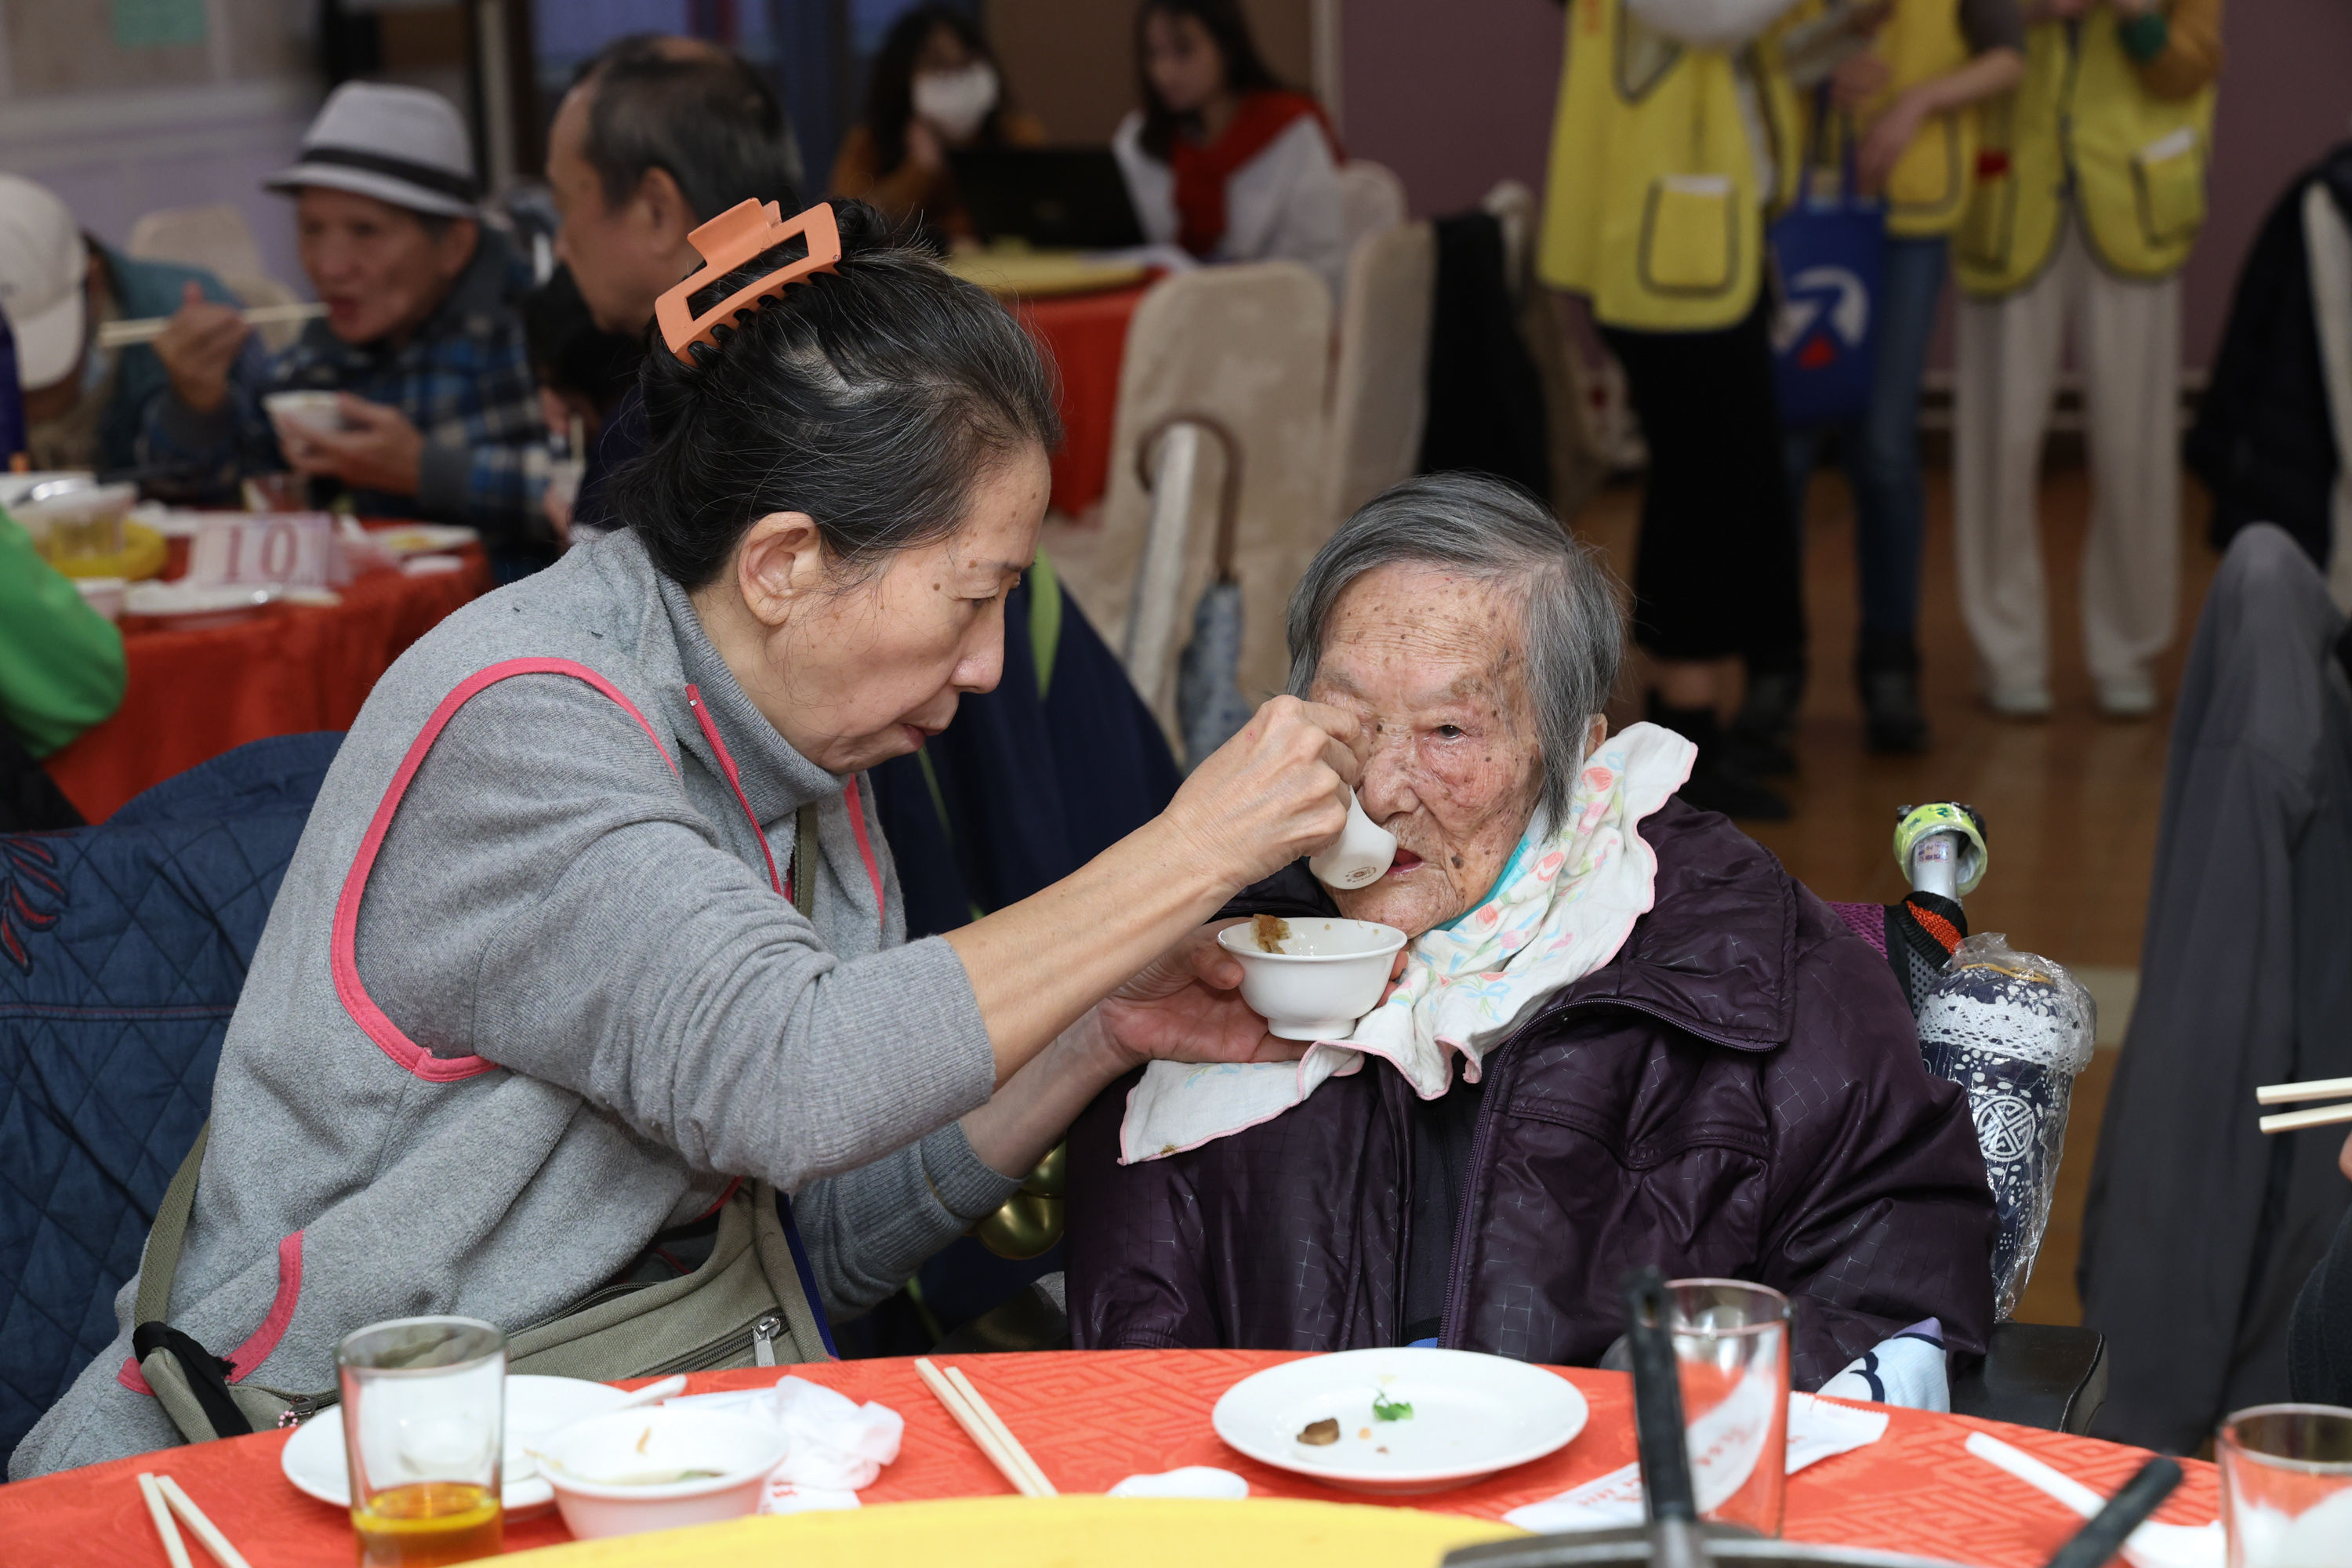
{"x":1364,"y":852}
{"x":304,"y":411}
{"x":1330,"y":974}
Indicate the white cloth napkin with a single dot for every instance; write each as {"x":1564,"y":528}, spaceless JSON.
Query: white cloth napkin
{"x":1817,"y":1429}
{"x":838,"y":1445}
{"x":1560,"y":909}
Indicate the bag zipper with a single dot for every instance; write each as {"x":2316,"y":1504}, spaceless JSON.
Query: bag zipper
{"x":760,"y":1340}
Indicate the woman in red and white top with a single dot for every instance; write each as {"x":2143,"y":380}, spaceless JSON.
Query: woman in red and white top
{"x":1222,"y":160}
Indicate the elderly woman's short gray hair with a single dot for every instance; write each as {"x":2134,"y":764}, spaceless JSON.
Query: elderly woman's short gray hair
{"x":1573,"y":624}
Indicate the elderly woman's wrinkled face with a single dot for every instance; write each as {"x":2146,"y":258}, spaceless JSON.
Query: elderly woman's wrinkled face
{"x":1430,"y":662}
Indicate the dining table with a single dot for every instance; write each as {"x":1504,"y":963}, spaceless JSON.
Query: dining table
{"x":1077,"y":307}
{"x":1090,"y":1418}
{"x":192,"y":693}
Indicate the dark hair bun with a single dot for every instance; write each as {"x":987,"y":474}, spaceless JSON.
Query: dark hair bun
{"x":872,"y":398}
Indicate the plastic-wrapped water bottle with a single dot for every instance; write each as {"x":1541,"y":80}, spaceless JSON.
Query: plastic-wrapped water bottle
{"x":2014,"y":1029}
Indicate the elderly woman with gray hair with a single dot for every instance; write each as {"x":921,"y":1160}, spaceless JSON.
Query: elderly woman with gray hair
{"x":1622,"y":1034}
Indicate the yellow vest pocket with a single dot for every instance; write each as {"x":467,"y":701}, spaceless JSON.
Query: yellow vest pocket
{"x":2168,"y":177}
{"x":1689,"y":235}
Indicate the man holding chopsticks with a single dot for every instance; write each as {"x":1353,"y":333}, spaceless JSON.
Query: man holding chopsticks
{"x":84,"y":398}
{"x":422,"y":337}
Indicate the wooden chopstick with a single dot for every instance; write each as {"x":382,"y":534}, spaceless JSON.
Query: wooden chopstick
{"x":2317,"y":1116}
{"x":987,"y":1412}
{"x":161,"y":1515}
{"x":226,"y":1555}
{"x":147,"y":328}
{"x":977,"y":1428}
{"x":2317,"y":1088}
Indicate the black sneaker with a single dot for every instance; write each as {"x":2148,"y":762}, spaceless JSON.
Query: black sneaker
{"x":1716,"y":780}
{"x":1757,"y":738}
{"x":1887,"y":671}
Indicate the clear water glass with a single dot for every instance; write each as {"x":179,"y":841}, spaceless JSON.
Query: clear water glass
{"x":1731,"y":1351}
{"x":2286,"y":1486}
{"x":424,"y":1434}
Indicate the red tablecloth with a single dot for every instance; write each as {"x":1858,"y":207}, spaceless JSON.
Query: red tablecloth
{"x":1090,"y":1418}
{"x":1086,"y":334}
{"x":191,"y":695}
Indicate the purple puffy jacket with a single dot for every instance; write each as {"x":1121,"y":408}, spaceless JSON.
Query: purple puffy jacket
{"x":1738,"y":1093}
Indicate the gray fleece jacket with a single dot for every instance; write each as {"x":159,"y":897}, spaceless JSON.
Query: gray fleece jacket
{"x":569,"y":1008}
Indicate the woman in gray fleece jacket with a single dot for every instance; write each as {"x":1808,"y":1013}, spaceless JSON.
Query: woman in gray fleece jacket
{"x":532,"y":994}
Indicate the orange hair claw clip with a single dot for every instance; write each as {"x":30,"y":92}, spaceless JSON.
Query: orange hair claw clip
{"x":727,"y":241}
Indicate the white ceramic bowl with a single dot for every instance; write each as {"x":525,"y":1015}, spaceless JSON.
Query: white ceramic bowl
{"x":305,"y":410}
{"x":1329,"y":974}
{"x":588,"y":1464}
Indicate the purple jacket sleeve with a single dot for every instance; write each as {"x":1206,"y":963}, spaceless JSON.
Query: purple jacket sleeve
{"x":1878,"y":1213}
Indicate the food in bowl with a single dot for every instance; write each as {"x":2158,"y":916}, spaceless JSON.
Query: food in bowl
{"x":1326,"y":975}
{"x":1271,"y":932}
{"x":304,"y":411}
{"x":629,"y":1471}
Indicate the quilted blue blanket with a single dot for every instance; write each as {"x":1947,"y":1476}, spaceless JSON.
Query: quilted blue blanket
{"x":122,"y":948}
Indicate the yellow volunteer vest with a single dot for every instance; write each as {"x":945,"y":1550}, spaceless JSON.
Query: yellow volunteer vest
{"x":1928,"y":191}
{"x":2082,"y":121}
{"x":1652,"y":210}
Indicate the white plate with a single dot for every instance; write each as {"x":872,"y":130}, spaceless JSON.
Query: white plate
{"x":313,"y":1457}
{"x":422,"y":538}
{"x":1472,"y":1415}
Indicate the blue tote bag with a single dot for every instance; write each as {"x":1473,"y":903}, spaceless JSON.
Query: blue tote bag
{"x":1828,"y":257}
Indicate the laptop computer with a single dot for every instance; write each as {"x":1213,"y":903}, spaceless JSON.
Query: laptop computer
{"x":1055,"y":198}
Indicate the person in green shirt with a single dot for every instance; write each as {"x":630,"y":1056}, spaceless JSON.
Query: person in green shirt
{"x":61,"y":666}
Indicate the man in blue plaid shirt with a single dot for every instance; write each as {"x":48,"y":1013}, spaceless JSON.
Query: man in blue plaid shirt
{"x":438,"y":413}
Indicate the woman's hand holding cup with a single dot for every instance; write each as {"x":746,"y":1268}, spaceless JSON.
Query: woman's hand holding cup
{"x":1274,"y":793}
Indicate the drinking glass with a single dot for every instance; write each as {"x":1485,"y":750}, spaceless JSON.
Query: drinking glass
{"x":2286,"y":1486}
{"x":277,"y":492}
{"x":1731,"y":1352}
{"x":424,"y":1430}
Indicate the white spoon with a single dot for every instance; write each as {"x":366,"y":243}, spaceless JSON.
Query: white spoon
{"x":2152,"y":1545}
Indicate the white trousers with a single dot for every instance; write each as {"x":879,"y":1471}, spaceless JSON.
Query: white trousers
{"x":2127,"y":343}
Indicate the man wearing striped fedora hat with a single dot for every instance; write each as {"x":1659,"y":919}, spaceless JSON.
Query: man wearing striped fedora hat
{"x":423,"y":337}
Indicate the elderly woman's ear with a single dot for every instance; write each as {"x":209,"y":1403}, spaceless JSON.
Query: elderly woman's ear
{"x":781,"y":559}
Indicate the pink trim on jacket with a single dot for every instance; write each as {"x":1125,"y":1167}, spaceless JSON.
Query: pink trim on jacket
{"x":865,"y":848}
{"x":342,"y":950}
{"x":735,"y":782}
{"x":263,"y":1340}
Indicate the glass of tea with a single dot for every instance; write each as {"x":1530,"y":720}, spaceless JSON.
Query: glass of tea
{"x":423,"y":1433}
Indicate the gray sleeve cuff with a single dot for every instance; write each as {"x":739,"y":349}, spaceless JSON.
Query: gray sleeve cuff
{"x":964,"y":1181}
{"x":444,"y":479}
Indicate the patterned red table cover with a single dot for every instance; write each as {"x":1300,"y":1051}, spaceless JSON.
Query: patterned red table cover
{"x":1090,"y":1418}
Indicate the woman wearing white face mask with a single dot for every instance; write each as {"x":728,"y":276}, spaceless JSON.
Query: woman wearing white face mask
{"x":935,"y":87}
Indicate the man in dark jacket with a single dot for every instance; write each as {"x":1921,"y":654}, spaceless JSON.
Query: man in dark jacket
{"x":1738,"y":1091}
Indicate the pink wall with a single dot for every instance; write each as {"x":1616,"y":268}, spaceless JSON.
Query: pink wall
{"x":1457,"y":94}
{"x":1452,"y":94}
{"x":2286,"y":96}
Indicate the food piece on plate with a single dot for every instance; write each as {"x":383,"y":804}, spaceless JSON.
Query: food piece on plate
{"x":1270,"y":931}
{"x":1324,"y":1432}
{"x":1387,"y":1410}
